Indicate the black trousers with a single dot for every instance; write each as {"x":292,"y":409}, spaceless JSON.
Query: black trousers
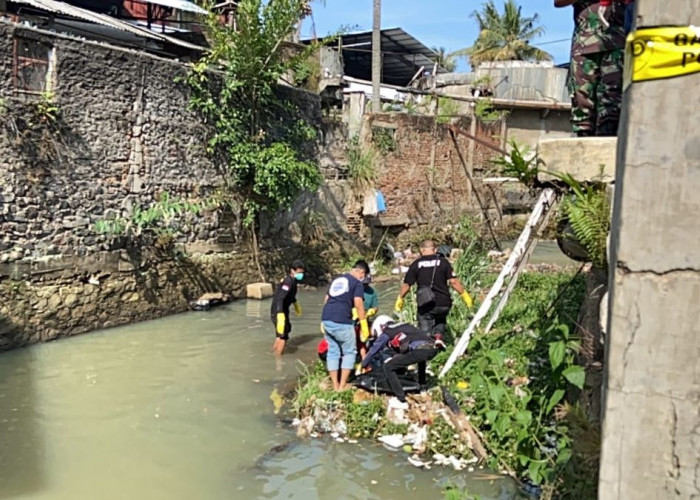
{"x":433,"y":320}
{"x":419,"y":356}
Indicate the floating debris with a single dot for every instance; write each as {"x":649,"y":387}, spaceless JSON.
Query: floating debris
{"x":396,"y":412}
{"x":415,"y":461}
{"x":392,"y":442}
{"x":340,"y":427}
{"x":209,"y":300}
{"x":277,"y":400}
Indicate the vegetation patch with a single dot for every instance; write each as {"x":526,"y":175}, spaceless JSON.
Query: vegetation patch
{"x":512,"y":386}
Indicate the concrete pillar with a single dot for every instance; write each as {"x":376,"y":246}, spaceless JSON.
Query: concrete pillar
{"x":376,"y":56}
{"x":651,"y":429}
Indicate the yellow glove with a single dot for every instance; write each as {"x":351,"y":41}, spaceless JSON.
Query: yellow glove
{"x":297,"y":308}
{"x":372,"y":311}
{"x":364,"y":330}
{"x":467,"y":299}
{"x":281,"y":320}
{"x":355,"y":316}
{"x":323,"y":330}
{"x":398,"y":307}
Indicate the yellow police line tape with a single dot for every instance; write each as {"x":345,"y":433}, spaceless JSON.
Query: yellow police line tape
{"x":656,"y":53}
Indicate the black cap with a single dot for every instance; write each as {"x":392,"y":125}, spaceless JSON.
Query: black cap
{"x":297,"y":264}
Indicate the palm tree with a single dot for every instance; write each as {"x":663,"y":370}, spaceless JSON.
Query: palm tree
{"x":445,"y":59}
{"x":504,"y":37}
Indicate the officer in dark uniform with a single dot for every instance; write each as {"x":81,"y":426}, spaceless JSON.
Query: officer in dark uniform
{"x":409,"y":346}
{"x":433,"y":274}
{"x":284,"y":297}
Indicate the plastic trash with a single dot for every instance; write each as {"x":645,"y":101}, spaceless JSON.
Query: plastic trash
{"x":392,"y":442}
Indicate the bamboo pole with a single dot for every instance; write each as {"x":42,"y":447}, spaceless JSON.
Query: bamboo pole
{"x":484,"y":209}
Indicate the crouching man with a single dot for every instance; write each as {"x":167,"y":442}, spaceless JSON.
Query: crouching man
{"x":407,"y":344}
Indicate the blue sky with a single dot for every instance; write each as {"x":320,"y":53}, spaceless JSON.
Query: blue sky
{"x":439,"y":23}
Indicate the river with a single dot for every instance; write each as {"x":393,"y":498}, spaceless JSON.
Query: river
{"x":179,"y":408}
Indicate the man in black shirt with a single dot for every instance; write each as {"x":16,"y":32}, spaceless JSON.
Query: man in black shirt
{"x":434,"y":275}
{"x":284,"y":297}
{"x":408,"y":345}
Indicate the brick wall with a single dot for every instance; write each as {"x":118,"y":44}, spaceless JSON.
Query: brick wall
{"x":419,"y":190}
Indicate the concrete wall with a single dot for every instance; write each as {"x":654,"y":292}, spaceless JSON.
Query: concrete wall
{"x":126,"y":136}
{"x":530,"y":126}
{"x":651,"y":432}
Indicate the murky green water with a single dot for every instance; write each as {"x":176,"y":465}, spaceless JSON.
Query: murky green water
{"x":546,"y":252}
{"x":179,"y":408}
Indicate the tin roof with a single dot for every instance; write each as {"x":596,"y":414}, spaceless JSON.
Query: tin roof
{"x":402,"y":56}
{"x":65,"y":9}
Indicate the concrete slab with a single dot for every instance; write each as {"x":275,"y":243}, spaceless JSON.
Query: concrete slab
{"x":259,"y":291}
{"x":582,"y":157}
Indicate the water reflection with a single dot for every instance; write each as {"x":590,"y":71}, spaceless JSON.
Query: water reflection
{"x":21,"y":442}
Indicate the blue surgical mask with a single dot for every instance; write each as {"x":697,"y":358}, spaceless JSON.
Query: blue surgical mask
{"x":298,"y":276}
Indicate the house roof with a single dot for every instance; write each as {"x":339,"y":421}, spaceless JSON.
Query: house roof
{"x":402,"y":56}
{"x":81,"y":14}
{"x":185,"y":5}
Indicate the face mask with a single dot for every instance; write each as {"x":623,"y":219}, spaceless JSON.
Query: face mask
{"x":298,"y":276}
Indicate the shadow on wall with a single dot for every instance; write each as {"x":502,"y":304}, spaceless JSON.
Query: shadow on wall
{"x":37,"y":131}
{"x":147,"y":259}
{"x":21,"y":442}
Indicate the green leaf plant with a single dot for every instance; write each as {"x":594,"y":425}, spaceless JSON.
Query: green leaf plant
{"x":260,"y":139}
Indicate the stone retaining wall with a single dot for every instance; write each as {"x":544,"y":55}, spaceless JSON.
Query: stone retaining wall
{"x":110,"y":291}
{"x":123,"y":135}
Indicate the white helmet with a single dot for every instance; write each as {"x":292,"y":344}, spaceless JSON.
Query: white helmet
{"x":380,"y":323}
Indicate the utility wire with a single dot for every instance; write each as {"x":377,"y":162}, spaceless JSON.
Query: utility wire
{"x":552,"y":42}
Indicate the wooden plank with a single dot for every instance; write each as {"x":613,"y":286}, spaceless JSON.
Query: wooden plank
{"x":521,"y":265}
{"x":545,"y":202}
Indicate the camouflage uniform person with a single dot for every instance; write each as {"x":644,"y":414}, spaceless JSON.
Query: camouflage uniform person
{"x":596,"y":65}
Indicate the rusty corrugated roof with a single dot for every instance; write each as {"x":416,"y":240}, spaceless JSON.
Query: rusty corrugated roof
{"x":95,"y":17}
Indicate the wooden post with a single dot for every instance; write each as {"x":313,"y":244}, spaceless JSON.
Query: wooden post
{"x":470,"y":178}
{"x":377,"y":56}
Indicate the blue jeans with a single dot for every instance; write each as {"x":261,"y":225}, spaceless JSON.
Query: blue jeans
{"x":341,"y":345}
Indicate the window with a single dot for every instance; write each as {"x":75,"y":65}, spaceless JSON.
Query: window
{"x":34,"y":66}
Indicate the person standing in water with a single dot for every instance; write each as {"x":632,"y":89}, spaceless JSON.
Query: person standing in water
{"x":285,"y":296}
{"x":345,"y":293}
